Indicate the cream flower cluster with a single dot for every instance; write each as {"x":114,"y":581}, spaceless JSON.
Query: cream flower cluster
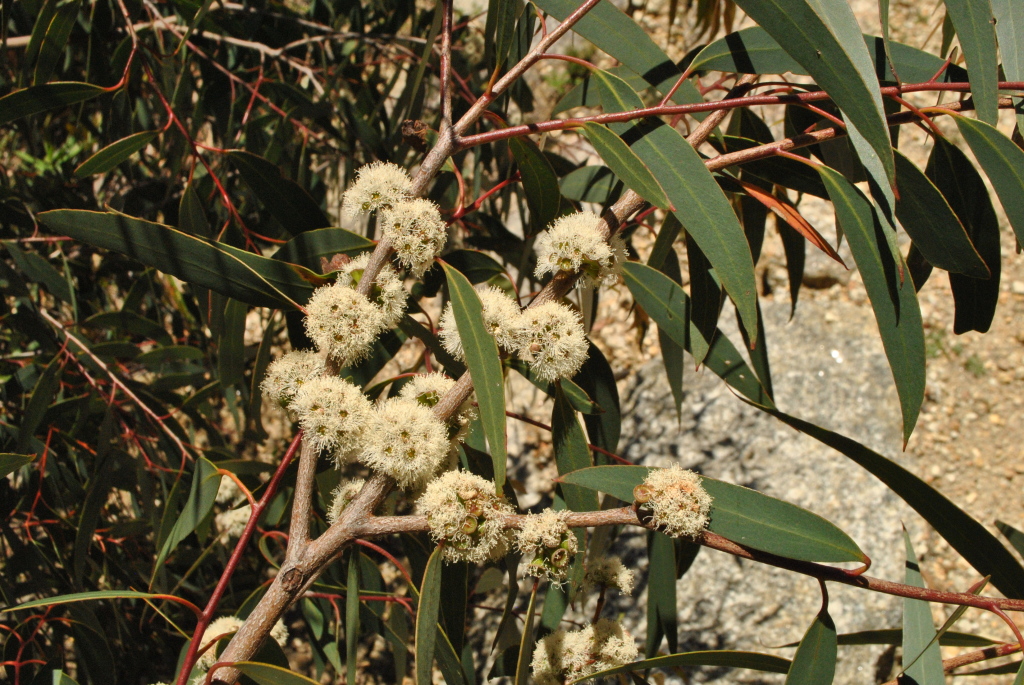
{"x":286,"y":375}
{"x":465,"y":514}
{"x":333,"y":414}
{"x":413,"y":226}
{"x":342,"y":496}
{"x":387,"y":293}
{"x":406,"y":441}
{"x":548,"y":539}
{"x":231,"y":523}
{"x":675,"y":500}
{"x":230,"y":624}
{"x":549,"y":336}
{"x":562,"y":656}
{"x":608,"y":572}
{"x":428,"y":389}
{"x":574,"y":243}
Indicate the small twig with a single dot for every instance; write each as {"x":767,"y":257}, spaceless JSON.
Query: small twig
{"x":446,"y":66}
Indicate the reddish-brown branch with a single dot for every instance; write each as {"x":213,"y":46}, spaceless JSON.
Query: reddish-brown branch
{"x":993,"y":652}
{"x":236,"y":555}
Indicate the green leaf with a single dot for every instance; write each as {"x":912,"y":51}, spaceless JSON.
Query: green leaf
{"x":1009,"y":15}
{"x":753,"y":51}
{"x":266,"y":674}
{"x":62,"y":678}
{"x":247,"y":277}
{"x":309,"y":247}
{"x":895,"y":304}
{"x":578,"y":399}
{"x":700,"y":204}
{"x":52,"y":47}
{"x":571,"y":453}
{"x":1003,"y":163}
{"x":351,"y":618}
{"x":284,"y":198}
{"x":591,"y":184}
{"x":918,"y":630}
{"x":484,"y":363}
{"x":598,"y":380}
{"x":667,"y":303}
{"x":205,"y":483}
{"x":745,"y":516}
{"x":36,"y":267}
{"x":825,"y":39}
{"x":932,"y":225}
{"x":975,"y":28}
{"x":9,"y":463}
{"x":723,"y":658}
{"x":962,"y":186}
{"x":231,"y":346}
{"x":42,"y":394}
{"x":661,"y":594}
{"x":972,"y":540}
{"x":82,"y":597}
{"x":27,"y":101}
{"x":115,"y":153}
{"x":526,"y":643}
{"x":427,"y":610}
{"x":705,"y":301}
{"x":506,"y":13}
{"x":608,"y":27}
{"x":815,"y":660}
{"x":625,"y":164}
{"x":894,"y":636}
{"x":540,"y":184}
{"x":1012,"y":535}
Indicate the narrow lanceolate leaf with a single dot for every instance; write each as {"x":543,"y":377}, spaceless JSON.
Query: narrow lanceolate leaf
{"x":284,"y":198}
{"x":22,"y":103}
{"x":815,"y":660}
{"x":960,"y":183}
{"x":972,"y":20}
{"x":351,"y":618}
{"x":540,"y":184}
{"x":205,"y":482}
{"x":42,"y":395}
{"x":309,"y":247}
{"x":245,"y":276}
{"x":1009,"y":15}
{"x":662,"y":612}
{"x":526,"y":643}
{"x":825,"y":39}
{"x":753,"y":51}
{"x":918,"y":630}
{"x":932,"y":225}
{"x":895,"y":304}
{"x":969,"y":538}
{"x":267,"y":674}
{"x":666,"y":302}
{"x":721,"y":658}
{"x":115,"y":153}
{"x":1003,"y":163}
{"x":485,"y":365}
{"x":700,"y":205}
{"x":427,"y":611}
{"x":571,"y":453}
{"x":83,"y":597}
{"x":9,"y":463}
{"x":578,"y":398}
{"x":745,"y":516}
{"x":1013,"y":536}
{"x":626,"y":164}
{"x":56,"y":39}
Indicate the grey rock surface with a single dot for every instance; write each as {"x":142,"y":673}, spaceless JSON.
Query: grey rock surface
{"x":826,"y":370}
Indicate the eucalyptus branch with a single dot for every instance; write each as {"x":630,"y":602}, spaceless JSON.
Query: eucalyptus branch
{"x":466,"y":142}
{"x":977,"y":656}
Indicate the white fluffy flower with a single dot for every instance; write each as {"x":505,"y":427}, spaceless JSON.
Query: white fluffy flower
{"x":416,"y":231}
{"x":428,"y":389}
{"x":343,"y":323}
{"x":227,"y":625}
{"x":286,"y":375}
{"x":574,"y":243}
{"x":340,"y":498}
{"x":387,"y":293}
{"x":502,"y":319}
{"x":553,"y":341}
{"x":676,"y":500}
{"x":377,"y":186}
{"x":607,"y":572}
{"x":553,"y":546}
{"x":562,"y":656}
{"x":464,"y":512}
{"x":333,"y":414}
{"x":406,"y":441}
{"x":228,"y":491}
{"x":231,"y":523}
